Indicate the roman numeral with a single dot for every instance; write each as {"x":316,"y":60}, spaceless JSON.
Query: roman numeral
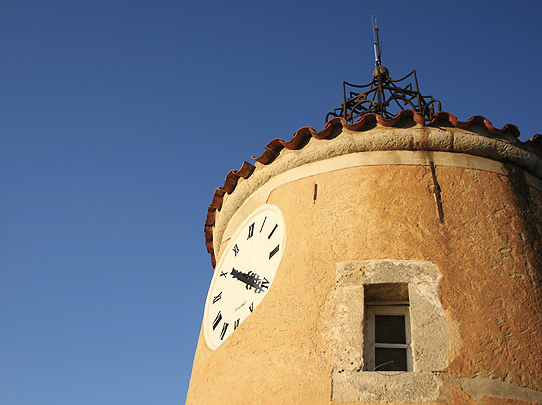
{"x":250,"y":231}
{"x":236,"y":249}
{"x":217,"y":320}
{"x":273,"y":231}
{"x":263,"y":223}
{"x":223,"y":274}
{"x":236,"y":324}
{"x":224,"y":328}
{"x":251,"y":307}
{"x":264,"y":284}
{"x":217,"y":297}
{"x":273,"y":252}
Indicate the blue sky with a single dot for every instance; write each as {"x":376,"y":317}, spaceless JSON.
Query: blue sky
{"x":118,"y":119}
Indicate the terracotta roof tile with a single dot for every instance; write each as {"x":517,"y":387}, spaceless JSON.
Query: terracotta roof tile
{"x":229,"y":185}
{"x":367,"y":122}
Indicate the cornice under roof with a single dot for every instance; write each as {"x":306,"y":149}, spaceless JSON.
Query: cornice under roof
{"x":403,"y":119}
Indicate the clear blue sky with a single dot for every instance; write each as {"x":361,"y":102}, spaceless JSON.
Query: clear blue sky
{"x":118,"y":119}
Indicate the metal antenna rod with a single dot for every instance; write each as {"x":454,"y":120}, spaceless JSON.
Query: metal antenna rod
{"x":376,"y":43}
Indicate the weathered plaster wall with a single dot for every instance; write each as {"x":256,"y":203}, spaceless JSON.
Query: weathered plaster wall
{"x":488,"y":249}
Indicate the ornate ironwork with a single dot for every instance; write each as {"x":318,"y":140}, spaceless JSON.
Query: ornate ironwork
{"x":384,"y":96}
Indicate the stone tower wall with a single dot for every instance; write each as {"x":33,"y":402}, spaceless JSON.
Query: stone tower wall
{"x":461,"y":229}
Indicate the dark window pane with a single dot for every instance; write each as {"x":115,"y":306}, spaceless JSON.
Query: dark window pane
{"x":390,"y":359}
{"x":390,"y":329}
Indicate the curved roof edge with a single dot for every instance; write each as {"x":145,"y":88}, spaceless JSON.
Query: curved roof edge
{"x":403,"y":119}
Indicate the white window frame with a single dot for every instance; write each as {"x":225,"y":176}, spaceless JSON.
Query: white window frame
{"x":384,"y":308}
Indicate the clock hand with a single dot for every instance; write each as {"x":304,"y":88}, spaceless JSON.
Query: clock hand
{"x":250,"y":278}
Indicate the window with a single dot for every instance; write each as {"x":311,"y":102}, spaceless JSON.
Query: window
{"x":387,"y":338}
{"x":387,"y":327}
{"x":399,"y":301}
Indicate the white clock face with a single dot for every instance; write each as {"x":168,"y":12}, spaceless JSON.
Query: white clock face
{"x":244,"y":273}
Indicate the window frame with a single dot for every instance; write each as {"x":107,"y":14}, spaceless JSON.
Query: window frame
{"x":430,"y":333}
{"x":373,"y":308}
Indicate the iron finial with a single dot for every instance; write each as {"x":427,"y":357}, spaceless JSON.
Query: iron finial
{"x":384,"y":96}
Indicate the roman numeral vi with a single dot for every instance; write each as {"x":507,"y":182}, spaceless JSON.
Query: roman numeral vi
{"x":224,"y":330}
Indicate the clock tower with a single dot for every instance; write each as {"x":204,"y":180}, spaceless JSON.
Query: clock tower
{"x":392,"y":257}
